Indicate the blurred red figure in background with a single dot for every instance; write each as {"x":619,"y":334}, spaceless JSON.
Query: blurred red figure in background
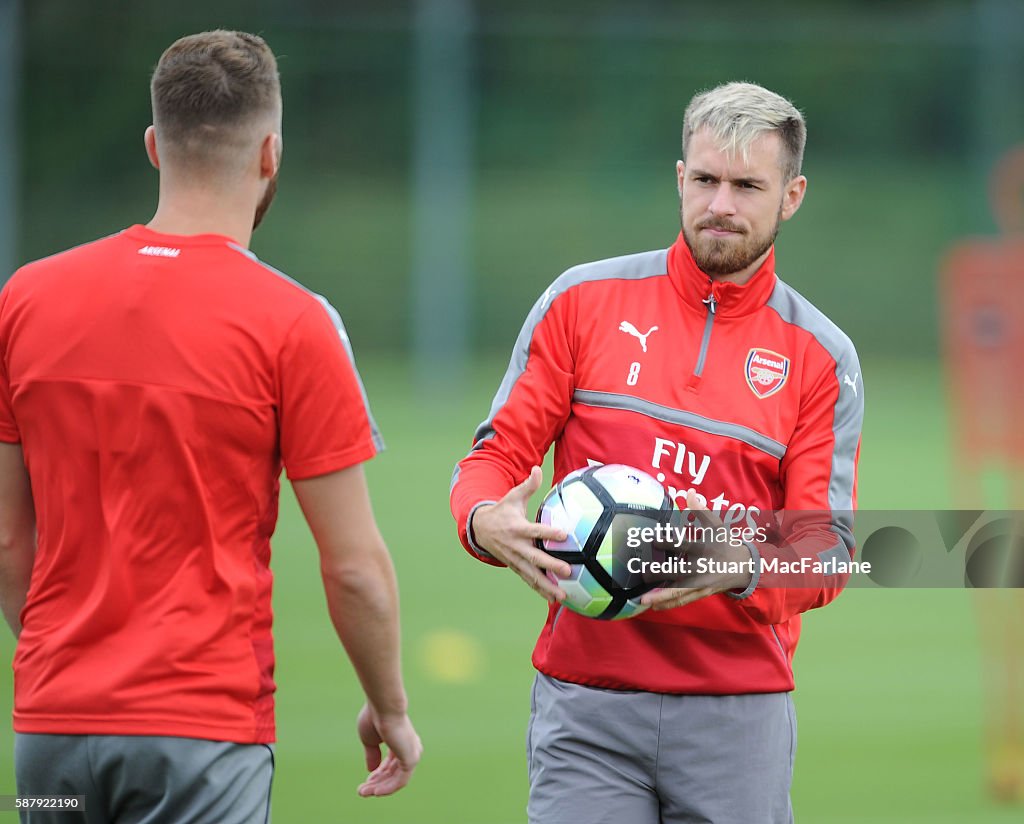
{"x":982,"y":293}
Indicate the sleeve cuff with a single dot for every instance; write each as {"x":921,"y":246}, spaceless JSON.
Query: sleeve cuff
{"x":755,"y":556}
{"x":477,"y":549}
{"x":334,"y":462}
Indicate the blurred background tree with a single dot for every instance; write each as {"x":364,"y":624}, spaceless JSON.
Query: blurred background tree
{"x":572,"y":115}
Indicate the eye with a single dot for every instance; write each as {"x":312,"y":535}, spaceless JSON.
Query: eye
{"x":746,"y":184}
{"x":704,"y":179}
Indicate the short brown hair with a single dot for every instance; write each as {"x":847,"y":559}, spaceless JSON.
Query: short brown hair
{"x":207,"y":91}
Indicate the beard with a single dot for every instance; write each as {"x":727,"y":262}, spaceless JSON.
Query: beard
{"x":726,"y":256}
{"x":265,"y":201}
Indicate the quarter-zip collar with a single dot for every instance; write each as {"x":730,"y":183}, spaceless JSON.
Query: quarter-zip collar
{"x":730,"y":299}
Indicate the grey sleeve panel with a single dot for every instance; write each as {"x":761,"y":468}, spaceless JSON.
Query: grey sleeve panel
{"x":848,"y":415}
{"x":755,"y":558}
{"x":838,"y":554}
{"x":627,"y":267}
{"x":682,"y":417}
{"x":458,"y":468}
{"x":339,"y":327}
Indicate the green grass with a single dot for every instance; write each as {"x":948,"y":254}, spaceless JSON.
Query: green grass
{"x":888,"y":698}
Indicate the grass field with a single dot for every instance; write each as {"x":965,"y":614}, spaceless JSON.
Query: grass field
{"x":889,"y":697}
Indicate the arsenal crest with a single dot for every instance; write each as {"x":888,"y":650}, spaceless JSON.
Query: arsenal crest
{"x":766,"y":372}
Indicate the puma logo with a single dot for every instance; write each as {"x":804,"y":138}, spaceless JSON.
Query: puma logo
{"x":630,"y":329}
{"x":851,"y":383}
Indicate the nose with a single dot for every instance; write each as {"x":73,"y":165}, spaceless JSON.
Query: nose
{"x":723,"y":202}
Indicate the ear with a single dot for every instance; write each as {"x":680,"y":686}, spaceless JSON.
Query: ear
{"x":680,"y":175}
{"x":149,"y":138}
{"x":793,"y":196}
{"x":270,"y":155}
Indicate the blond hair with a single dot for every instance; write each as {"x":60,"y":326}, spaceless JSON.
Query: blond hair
{"x":737,"y":114}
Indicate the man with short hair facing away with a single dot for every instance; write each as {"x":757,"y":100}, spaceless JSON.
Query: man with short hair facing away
{"x":699,"y":365}
{"x":153,"y":384}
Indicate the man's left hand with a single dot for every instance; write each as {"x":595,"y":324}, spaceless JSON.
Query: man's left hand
{"x":702,"y":584}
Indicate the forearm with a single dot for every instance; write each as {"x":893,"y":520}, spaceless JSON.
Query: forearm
{"x":363,"y":605}
{"x":478,"y":482}
{"x":803,"y":573}
{"x":529,"y":409}
{"x":17,"y":534}
{"x":17,"y":552}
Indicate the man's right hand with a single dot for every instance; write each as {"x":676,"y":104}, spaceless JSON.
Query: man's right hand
{"x":387,"y":775}
{"x":504,"y":531}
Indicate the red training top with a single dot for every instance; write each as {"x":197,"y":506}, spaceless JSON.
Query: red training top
{"x":157,"y":384}
{"x":746,"y":394}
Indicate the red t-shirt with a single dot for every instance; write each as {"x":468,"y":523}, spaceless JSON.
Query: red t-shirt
{"x":157,"y":385}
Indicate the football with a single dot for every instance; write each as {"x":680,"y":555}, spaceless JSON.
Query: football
{"x":596,"y":506}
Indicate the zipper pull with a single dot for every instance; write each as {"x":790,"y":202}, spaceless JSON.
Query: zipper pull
{"x":710,"y":302}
